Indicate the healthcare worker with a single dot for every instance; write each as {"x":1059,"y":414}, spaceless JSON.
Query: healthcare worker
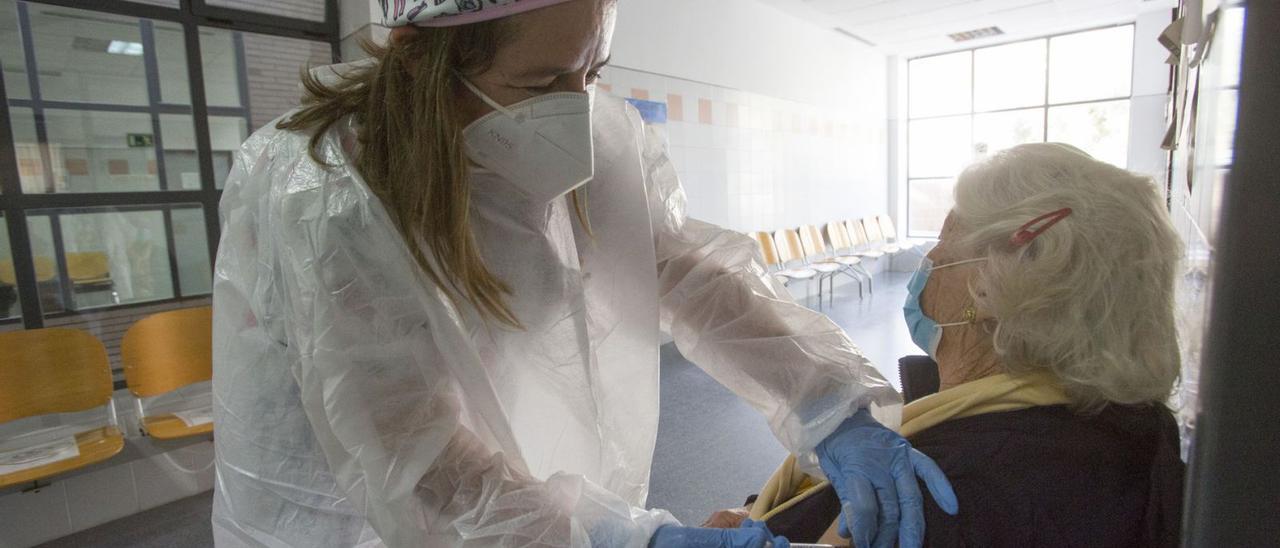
{"x":438,"y":299}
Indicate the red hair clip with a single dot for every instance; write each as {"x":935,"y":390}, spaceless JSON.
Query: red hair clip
{"x":1026,"y":233}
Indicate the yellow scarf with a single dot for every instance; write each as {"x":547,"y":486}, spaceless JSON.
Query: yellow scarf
{"x":994,"y":394}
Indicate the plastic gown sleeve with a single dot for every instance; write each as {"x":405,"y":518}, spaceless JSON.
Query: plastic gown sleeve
{"x":729,"y":316}
{"x":316,"y":250}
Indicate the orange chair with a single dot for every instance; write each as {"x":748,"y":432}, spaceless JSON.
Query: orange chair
{"x":91,"y":271}
{"x":46,"y":270}
{"x":773,"y":260}
{"x":51,"y":371}
{"x":861,"y":244}
{"x":165,"y":353}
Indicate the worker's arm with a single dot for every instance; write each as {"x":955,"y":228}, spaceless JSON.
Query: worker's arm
{"x":729,"y":316}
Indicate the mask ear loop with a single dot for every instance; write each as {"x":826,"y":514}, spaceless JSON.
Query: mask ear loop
{"x":481,"y":95}
{"x":1026,"y":233}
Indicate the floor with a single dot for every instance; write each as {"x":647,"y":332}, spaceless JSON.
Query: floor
{"x":712,"y":452}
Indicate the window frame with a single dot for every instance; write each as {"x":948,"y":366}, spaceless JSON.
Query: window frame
{"x":191,"y":16}
{"x":973,"y":112}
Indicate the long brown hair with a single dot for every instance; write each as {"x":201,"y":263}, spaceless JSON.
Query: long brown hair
{"x":410,"y":149}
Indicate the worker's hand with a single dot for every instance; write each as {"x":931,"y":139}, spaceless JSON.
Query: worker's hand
{"x":752,"y":534}
{"x":873,"y":470}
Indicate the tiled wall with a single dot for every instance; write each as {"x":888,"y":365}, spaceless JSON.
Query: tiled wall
{"x":83,"y":501}
{"x":753,"y":162}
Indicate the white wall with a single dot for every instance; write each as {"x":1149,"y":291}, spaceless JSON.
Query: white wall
{"x":795,"y":132}
{"x":746,"y":45}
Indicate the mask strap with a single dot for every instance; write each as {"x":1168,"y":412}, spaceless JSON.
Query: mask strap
{"x":957,"y":263}
{"x":1026,"y":233}
{"x":481,"y":95}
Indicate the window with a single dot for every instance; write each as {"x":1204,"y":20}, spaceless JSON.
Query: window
{"x":111,"y":175}
{"x":963,"y":106}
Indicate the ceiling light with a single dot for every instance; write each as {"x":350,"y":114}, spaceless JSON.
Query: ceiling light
{"x":120,"y":47}
{"x":975,"y":34}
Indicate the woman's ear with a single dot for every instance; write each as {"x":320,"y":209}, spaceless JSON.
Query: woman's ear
{"x":400,"y":35}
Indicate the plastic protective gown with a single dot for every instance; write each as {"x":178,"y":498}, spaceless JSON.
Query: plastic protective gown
{"x":356,"y":405}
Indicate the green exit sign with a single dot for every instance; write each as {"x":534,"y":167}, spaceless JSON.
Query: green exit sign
{"x":141,"y":140}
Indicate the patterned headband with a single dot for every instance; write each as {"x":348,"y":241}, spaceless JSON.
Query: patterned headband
{"x":447,"y":13}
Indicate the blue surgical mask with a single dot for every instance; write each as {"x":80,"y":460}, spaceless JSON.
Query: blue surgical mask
{"x":926,"y":332}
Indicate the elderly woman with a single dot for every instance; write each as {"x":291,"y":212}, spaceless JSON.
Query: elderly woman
{"x":1048,"y":306}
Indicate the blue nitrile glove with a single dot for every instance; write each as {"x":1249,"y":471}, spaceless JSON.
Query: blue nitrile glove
{"x":873,"y":470}
{"x":752,"y":534}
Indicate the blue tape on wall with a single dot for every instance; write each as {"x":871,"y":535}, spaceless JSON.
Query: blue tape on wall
{"x":653,"y":112}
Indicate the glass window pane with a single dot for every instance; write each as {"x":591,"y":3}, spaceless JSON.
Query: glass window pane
{"x":311,"y":10}
{"x":939,"y":147}
{"x":996,"y":131}
{"x":171,"y":61}
{"x":1224,"y":127}
{"x":181,"y":163}
{"x":1009,"y":76}
{"x":271,"y":67}
{"x":221,"y":64}
{"x":9,"y":305}
{"x":11,"y":53}
{"x":1101,"y":129}
{"x":27,"y":150}
{"x":226,"y":134}
{"x":1096,"y":64}
{"x":940,"y":85}
{"x":113,"y":257}
{"x":928,"y":202}
{"x":191,"y":244}
{"x":88,"y":56}
{"x":94,"y":151}
{"x":40,"y":234}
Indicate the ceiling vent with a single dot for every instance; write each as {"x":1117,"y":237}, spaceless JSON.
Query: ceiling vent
{"x":975,"y":34}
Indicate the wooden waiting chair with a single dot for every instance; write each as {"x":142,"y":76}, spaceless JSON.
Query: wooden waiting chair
{"x":846,"y":251}
{"x":47,"y":372}
{"x":874,"y":237}
{"x":819,"y":253}
{"x":890,"y":235}
{"x":164,"y":353}
{"x":861,"y":244}
{"x":778,"y":266}
{"x":90,"y":272}
{"x":46,"y":271}
{"x":791,"y":251}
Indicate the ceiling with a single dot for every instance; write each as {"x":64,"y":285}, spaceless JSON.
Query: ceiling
{"x":918,"y":27}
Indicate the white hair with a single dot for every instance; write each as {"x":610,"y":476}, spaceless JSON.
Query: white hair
{"x":1091,"y":299}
